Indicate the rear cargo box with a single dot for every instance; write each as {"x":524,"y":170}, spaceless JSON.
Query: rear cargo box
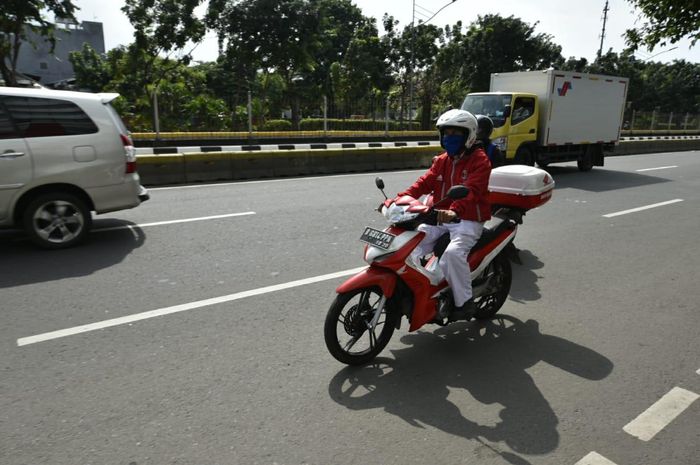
{"x":520,"y":186}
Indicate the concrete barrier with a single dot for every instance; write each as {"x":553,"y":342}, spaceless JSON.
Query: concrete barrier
{"x":218,"y":166}
{"x":161,"y":169}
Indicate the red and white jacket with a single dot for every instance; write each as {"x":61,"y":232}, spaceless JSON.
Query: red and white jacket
{"x":471,"y":169}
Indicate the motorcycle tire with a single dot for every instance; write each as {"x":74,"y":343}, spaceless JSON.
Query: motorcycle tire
{"x":346,"y":326}
{"x":501,"y":271}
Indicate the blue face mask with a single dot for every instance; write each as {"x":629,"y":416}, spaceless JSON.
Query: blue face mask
{"x":453,"y":144}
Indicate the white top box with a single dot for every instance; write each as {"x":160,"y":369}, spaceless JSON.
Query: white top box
{"x":520,"y":180}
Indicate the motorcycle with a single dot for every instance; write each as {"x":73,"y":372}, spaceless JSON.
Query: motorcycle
{"x":370,"y":305}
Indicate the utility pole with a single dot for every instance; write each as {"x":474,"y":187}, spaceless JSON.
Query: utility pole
{"x":602,"y":34}
{"x":410,"y":67}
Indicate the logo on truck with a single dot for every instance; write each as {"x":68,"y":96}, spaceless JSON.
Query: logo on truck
{"x":564,"y":89}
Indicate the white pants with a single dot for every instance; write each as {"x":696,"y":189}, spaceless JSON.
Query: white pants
{"x":453,"y":262}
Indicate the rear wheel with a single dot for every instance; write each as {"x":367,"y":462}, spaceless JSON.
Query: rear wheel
{"x":585,"y":161}
{"x":57,"y":220}
{"x":358,"y":326}
{"x":498,"y":275}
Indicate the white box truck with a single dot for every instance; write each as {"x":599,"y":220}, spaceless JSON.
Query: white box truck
{"x":553,"y":116}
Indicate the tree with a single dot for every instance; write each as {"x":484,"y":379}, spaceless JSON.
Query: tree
{"x":272,"y":35}
{"x":665,"y":20}
{"x":494,"y":44}
{"x":161,"y":27}
{"x":19,"y":16}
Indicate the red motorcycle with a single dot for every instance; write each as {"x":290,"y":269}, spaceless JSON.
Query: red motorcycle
{"x":370,"y":305}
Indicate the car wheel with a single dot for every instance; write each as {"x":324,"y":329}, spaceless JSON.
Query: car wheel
{"x":57,"y":220}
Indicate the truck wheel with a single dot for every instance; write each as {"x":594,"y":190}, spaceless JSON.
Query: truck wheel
{"x":585,"y":161}
{"x":57,"y":220}
{"x":524,"y":156}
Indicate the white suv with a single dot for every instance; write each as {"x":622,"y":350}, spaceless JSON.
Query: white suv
{"x":63,"y":155}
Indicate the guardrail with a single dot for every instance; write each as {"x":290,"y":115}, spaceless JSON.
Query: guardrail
{"x":195,"y":166}
{"x":263,"y":135}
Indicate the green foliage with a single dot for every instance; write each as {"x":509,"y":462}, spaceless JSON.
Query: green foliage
{"x":665,"y":21}
{"x":289,"y":54}
{"x":494,"y":44}
{"x":277,"y":125}
{"x":19,"y":16}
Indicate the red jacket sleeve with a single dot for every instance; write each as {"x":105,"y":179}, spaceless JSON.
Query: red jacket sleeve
{"x":423,"y":185}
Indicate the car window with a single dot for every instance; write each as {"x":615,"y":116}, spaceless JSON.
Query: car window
{"x":524,"y":108}
{"x":7,"y":129}
{"x":44,"y":117}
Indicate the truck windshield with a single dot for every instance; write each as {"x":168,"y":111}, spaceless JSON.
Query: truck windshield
{"x":492,"y":106}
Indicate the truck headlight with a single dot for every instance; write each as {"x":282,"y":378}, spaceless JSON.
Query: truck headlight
{"x":501,"y":143}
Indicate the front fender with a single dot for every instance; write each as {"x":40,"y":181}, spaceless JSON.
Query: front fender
{"x":370,"y":277}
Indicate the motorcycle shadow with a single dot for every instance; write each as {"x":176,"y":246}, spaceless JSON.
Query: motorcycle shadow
{"x":489,"y":360}
{"x":524,"y":287}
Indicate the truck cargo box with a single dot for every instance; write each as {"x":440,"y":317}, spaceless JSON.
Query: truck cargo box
{"x":520,"y":186}
{"x":574,"y":108}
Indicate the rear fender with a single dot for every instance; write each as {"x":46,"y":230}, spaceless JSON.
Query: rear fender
{"x":371,"y":277}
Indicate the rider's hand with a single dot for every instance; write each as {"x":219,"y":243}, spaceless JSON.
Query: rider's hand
{"x":446,"y":216}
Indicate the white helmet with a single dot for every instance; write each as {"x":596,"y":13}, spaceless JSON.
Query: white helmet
{"x":459,"y":119}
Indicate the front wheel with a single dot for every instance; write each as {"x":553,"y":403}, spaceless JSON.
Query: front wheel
{"x":498,"y":276}
{"x":57,"y":220}
{"x":358,"y":326}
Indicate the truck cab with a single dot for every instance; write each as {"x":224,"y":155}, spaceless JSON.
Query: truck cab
{"x":514,"y":115}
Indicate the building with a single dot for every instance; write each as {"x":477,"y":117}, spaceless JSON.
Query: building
{"x":37,"y":62}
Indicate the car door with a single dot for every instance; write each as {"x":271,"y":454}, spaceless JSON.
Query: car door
{"x":15,"y":162}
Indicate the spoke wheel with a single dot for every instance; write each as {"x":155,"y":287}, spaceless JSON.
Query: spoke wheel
{"x":358,"y":326}
{"x":499,"y":275}
{"x":56,"y":221}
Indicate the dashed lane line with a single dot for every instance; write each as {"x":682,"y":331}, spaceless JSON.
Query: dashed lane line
{"x":179,"y":308}
{"x":594,"y":458}
{"x":645,"y":207}
{"x":162,"y":223}
{"x":657,"y":168}
{"x":659,"y":415}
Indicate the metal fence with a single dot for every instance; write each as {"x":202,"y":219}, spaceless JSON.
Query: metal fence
{"x":660,"y":121}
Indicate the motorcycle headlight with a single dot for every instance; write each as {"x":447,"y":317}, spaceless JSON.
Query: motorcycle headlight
{"x":501,"y":143}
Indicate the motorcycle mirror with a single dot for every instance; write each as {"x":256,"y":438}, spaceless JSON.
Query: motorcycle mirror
{"x":380,"y":185}
{"x":458,"y":192}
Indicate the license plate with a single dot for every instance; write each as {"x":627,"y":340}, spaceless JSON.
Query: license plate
{"x":377,"y":238}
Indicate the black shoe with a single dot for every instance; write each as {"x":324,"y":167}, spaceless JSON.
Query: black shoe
{"x":465,"y":312}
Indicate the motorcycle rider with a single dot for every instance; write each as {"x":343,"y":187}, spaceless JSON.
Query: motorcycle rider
{"x":463,"y":162}
{"x":483,"y":137}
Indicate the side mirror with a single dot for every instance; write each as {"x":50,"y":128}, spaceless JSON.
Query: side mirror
{"x":506,"y":111}
{"x":379,"y":182}
{"x":458,"y":192}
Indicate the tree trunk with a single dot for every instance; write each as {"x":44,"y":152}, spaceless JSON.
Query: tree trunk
{"x":296,"y":113}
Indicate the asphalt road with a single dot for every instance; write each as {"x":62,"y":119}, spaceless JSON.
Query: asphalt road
{"x":601,"y":325}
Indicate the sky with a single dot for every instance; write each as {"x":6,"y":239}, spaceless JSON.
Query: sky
{"x":575,"y":26}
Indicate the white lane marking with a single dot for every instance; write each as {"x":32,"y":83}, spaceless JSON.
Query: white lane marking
{"x":698,"y":372}
{"x":161,"y":223}
{"x":646,"y":207}
{"x":659,"y":168}
{"x":659,"y":415}
{"x":594,"y":458}
{"x":265,"y":181}
{"x":180,"y":308}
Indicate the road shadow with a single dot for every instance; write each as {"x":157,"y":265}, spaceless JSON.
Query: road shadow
{"x":22,"y":263}
{"x":487,"y":359}
{"x":599,"y":180}
{"x":524,"y":287}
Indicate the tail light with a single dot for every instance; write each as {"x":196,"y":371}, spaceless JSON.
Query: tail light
{"x":130,"y":153}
